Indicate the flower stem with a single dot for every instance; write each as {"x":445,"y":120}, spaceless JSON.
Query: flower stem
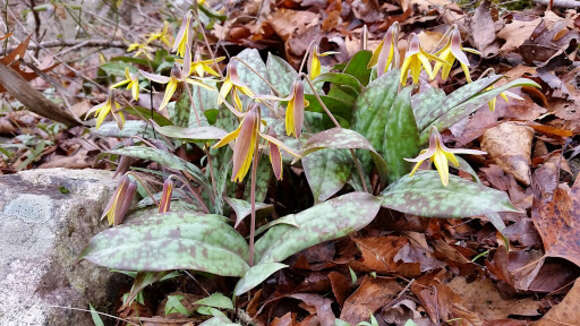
{"x":352,"y":153}
{"x":253,"y":204}
{"x":258,"y":74}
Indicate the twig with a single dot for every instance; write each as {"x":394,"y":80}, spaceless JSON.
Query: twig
{"x":560,"y":3}
{"x":75,"y":43}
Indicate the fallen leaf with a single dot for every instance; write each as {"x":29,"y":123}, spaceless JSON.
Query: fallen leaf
{"x":482,"y":297}
{"x":340,"y":286}
{"x":483,"y":31}
{"x":372,"y":294}
{"x":510,"y":145}
{"x":566,"y":312}
{"x":516,"y":33}
{"x":322,"y":305}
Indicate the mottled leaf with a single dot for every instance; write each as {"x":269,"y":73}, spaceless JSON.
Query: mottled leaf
{"x":244,"y":208}
{"x":401,"y":138}
{"x":256,"y":275}
{"x":131,"y":128}
{"x":218,"y":321}
{"x":287,"y":220}
{"x":249,"y":78}
{"x":337,"y":106}
{"x":164,"y":158}
{"x":327,"y":171}
{"x":423,"y":194}
{"x":146,"y":113}
{"x":372,"y":111}
{"x":204,"y":101}
{"x":340,"y":138}
{"x":326,"y":221}
{"x":457,"y":110}
{"x":171,"y":241}
{"x":280,"y":74}
{"x":194,"y":133}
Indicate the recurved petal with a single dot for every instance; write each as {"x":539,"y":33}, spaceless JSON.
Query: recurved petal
{"x":224,"y":90}
{"x":423,"y":155}
{"x":227,"y":138}
{"x":154,"y":77}
{"x":280,"y":145}
{"x":276,"y":161}
{"x":169,"y":91}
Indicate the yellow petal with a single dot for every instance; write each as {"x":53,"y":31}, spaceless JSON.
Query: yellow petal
{"x":415,"y":70}
{"x":426,"y":64}
{"x":491,"y":104}
{"x":224,"y":90}
{"x":375,"y":58}
{"x":290,"y":118}
{"x":169,"y":91}
{"x":135,"y":89}
{"x":405,"y":69}
{"x":466,"y":72}
{"x":227,"y":138}
{"x":121,"y":83}
{"x":451,"y":157}
{"x":315,"y":66}
{"x":441,"y":165}
{"x":415,"y":168}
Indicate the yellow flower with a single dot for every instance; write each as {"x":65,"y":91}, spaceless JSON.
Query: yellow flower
{"x":182,"y":40}
{"x":246,"y":136}
{"x":178,"y":75}
{"x":439,"y":154}
{"x":165,"y":202}
{"x":201,"y":67}
{"x":101,"y":111}
{"x":232,"y":83}
{"x":142,"y":48}
{"x":414,"y":59}
{"x":295,"y":110}
{"x":314,"y":65}
{"x":505,"y":95}
{"x":451,"y":51}
{"x":387,"y":51}
{"x":120,"y":202}
{"x":162,"y":35}
{"x":131,"y":82}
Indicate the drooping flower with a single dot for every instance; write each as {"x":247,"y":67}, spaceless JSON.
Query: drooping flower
{"x":142,"y":49}
{"x":179,"y":75}
{"x":132,"y":83}
{"x":183,"y":36}
{"x":387,"y":51}
{"x":120,"y":202}
{"x":232,"y":83}
{"x":162,"y":35}
{"x":314,"y":65}
{"x":439,"y":154}
{"x":451,"y":51}
{"x":101,"y":111}
{"x":295,"y":109}
{"x":165,"y":202}
{"x":414,"y":59}
{"x":246,"y":137}
{"x":505,"y":95}
{"x":201,"y":67}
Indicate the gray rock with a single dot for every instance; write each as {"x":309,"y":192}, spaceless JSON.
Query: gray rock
{"x":47,"y":217}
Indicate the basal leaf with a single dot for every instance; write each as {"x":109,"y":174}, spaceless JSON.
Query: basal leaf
{"x":198,"y":242}
{"x":337,"y":106}
{"x":329,"y":220}
{"x":256,"y":275}
{"x":280,"y":74}
{"x":146,"y":113}
{"x":423,"y":194}
{"x":426,"y":104}
{"x":131,"y":128}
{"x":164,"y":158}
{"x":340,"y":138}
{"x":194,"y":133}
{"x":243,"y":208}
{"x":216,"y":300}
{"x":357,"y":66}
{"x":248,"y":77}
{"x":204,"y":100}
{"x":456,"y":112}
{"x":401,"y":137}
{"x":340,"y":79}
{"x":327,"y":171}
{"x":372,"y":111}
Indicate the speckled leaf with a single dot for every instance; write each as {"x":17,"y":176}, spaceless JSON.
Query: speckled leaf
{"x":194,"y":133}
{"x":147,"y":113}
{"x":243,"y":208}
{"x":327,"y":171}
{"x":338,"y":106}
{"x":164,"y":158}
{"x":205,"y":100}
{"x":424,"y":195}
{"x":340,"y":138}
{"x":249,"y":78}
{"x":263,"y":176}
{"x":401,"y":138}
{"x":218,"y":321}
{"x":340,"y":79}
{"x":433,"y":103}
{"x":131,"y":128}
{"x":256,"y":275}
{"x":456,"y":112}
{"x":171,"y":241}
{"x":180,"y":110}
{"x":326,"y":221}
{"x":372,"y":111}
{"x":216,"y":300}
{"x":280,"y":74}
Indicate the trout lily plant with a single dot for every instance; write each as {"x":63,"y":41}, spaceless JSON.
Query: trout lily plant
{"x":357,"y":129}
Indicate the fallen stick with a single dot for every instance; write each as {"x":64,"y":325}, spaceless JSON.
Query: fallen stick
{"x":32,"y":99}
{"x":76,"y":44}
{"x":560,"y":3}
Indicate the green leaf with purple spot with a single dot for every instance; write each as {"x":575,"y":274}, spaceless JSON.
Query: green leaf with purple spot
{"x":327,"y":171}
{"x":193,"y":133}
{"x":171,"y":241}
{"x":423,"y":194}
{"x":329,"y":220}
